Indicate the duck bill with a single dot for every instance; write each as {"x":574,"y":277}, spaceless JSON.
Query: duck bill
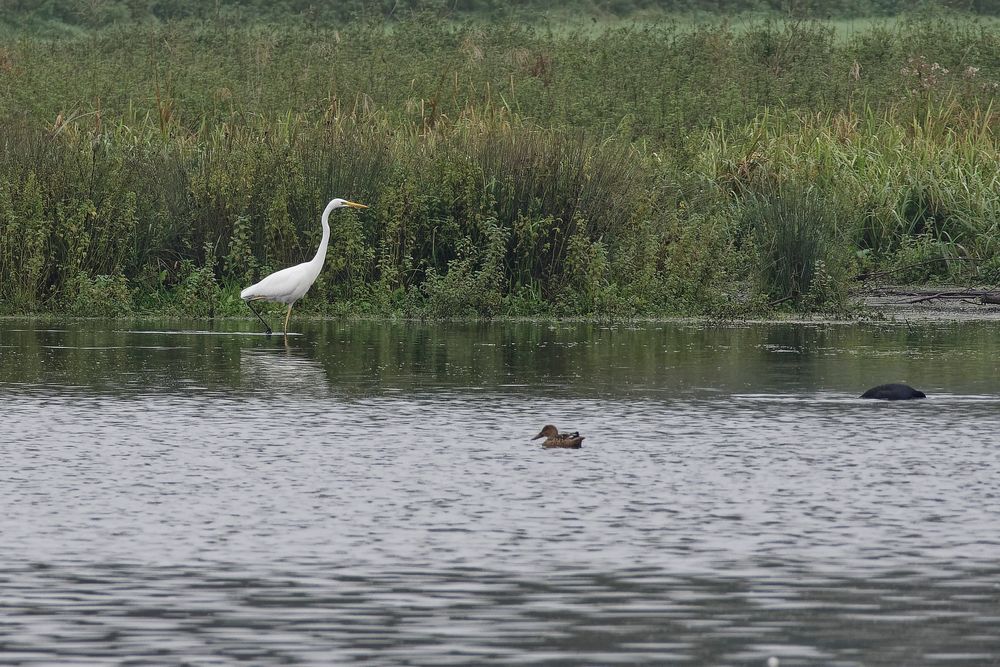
{"x":540,"y":435}
{"x":354,"y":204}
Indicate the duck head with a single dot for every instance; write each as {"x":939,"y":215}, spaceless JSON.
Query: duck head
{"x":549,"y":431}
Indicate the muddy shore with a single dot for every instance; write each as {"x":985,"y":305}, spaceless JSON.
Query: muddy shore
{"x":938,"y":303}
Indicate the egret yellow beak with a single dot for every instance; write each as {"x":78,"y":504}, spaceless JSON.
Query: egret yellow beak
{"x":354,"y":204}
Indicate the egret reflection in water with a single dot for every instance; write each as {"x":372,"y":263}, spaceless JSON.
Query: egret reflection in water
{"x":283,"y":369}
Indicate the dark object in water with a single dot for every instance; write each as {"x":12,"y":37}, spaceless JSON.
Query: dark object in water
{"x":553,"y":438}
{"x":894,"y":392}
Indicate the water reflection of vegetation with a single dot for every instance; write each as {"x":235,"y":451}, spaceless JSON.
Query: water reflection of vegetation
{"x":518,"y":357}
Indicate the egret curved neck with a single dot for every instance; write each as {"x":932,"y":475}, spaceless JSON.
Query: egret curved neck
{"x":325,"y":241}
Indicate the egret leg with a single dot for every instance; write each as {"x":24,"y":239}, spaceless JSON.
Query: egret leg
{"x":287,"y":316}
{"x":267,"y":327}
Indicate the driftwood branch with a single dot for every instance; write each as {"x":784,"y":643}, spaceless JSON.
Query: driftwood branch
{"x":985,"y":296}
{"x":931,"y":296}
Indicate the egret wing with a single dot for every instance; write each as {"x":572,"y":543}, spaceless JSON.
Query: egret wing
{"x":283,"y":286}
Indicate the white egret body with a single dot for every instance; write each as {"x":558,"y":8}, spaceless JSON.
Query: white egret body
{"x":289,"y":285}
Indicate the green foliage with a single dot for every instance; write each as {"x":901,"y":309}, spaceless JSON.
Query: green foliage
{"x":703,"y":270}
{"x":989,"y":271}
{"x":97,"y":296}
{"x":639,"y":170}
{"x":828,"y":290}
{"x":198,"y":292}
{"x":473,"y":283}
{"x":922,"y":259}
{"x":46,"y":15}
{"x":240,"y":262}
{"x":795,"y":232}
{"x":24,"y":238}
{"x":586,"y":274}
{"x":658,"y":81}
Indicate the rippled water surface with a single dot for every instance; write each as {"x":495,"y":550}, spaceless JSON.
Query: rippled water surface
{"x":366,"y":493}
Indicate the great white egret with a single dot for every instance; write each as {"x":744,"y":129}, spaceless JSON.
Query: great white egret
{"x":289,"y":285}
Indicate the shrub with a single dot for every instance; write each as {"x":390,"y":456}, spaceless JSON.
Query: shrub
{"x":24,"y":239}
{"x":473,"y":284}
{"x":98,"y":296}
{"x":198,"y":293}
{"x":795,"y":230}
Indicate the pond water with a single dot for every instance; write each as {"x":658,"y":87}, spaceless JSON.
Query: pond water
{"x":366,"y":493}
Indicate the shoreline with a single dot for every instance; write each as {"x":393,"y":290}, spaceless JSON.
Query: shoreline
{"x":940,"y":303}
{"x":889,"y":305}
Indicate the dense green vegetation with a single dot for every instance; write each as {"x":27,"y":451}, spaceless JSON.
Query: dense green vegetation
{"x":56,"y":15}
{"x":648,"y":169}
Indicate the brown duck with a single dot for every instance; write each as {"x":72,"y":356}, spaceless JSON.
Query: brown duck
{"x":553,"y":438}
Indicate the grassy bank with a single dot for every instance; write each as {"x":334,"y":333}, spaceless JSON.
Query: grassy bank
{"x":73,"y":16}
{"x":509,"y":170}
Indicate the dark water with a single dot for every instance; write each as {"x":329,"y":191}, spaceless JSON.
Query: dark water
{"x":367,"y":494}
